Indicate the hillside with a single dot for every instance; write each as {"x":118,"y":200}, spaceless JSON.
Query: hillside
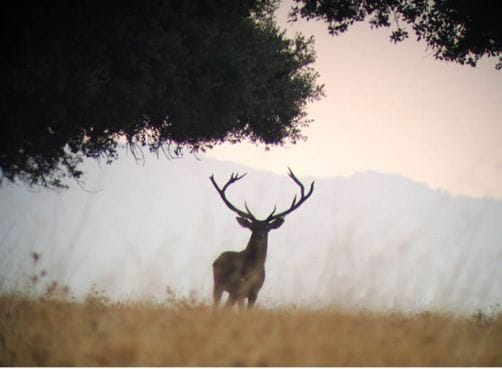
{"x":371,"y":240}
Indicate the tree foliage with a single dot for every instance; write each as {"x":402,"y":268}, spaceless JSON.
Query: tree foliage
{"x":79,"y":77}
{"x":461,"y":31}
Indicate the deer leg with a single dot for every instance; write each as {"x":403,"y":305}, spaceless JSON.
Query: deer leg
{"x":252,"y":299}
{"x":231,"y":301}
{"x":241,"y":304}
{"x":217,"y":292}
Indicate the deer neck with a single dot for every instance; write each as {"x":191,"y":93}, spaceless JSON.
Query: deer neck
{"x":256,"y":250}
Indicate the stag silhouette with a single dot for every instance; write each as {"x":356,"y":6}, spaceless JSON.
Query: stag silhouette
{"x":242,"y":273}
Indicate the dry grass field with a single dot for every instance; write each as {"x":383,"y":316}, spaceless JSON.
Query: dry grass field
{"x":96,"y":332}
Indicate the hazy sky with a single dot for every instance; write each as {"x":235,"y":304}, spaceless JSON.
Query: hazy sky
{"x":393,"y":108}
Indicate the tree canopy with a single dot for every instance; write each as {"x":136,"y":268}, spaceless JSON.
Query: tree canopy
{"x":79,"y":77}
{"x":461,"y":31}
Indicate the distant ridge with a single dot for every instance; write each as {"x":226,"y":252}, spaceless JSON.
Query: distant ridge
{"x":370,"y":240}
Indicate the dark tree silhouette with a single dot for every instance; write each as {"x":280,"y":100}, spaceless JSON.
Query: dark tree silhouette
{"x":80,"y":77}
{"x":461,"y":31}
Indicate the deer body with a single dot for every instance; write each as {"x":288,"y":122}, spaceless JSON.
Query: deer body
{"x":242,"y":274}
{"x":232,"y":274}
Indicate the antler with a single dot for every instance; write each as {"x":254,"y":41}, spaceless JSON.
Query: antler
{"x":234,"y":177}
{"x":294,"y":205}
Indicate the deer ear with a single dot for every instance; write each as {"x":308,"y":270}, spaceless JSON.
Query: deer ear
{"x":244,"y":222}
{"x":276,"y":223}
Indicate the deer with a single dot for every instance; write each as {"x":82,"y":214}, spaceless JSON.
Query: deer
{"x":242,"y":273}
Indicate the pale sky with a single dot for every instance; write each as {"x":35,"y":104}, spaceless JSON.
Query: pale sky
{"x":394,"y":109}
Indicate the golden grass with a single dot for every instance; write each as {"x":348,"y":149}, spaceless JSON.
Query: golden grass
{"x":51,"y":332}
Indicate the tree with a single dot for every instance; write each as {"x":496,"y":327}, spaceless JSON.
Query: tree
{"x":77,"y":78}
{"x":461,"y":31}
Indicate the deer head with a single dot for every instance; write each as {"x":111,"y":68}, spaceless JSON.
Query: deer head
{"x":246,"y":218}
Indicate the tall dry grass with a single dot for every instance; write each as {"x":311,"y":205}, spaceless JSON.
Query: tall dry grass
{"x":96,"y":332}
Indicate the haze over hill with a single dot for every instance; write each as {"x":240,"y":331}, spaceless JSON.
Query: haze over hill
{"x":371,"y":240}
